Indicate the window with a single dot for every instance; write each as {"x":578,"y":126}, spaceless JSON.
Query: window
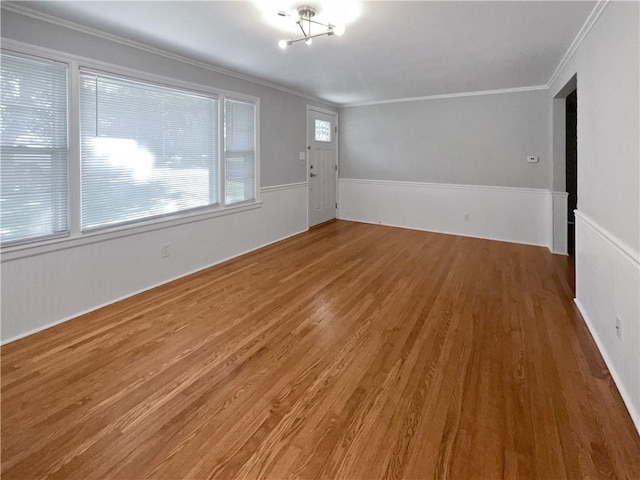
{"x":323,"y":131}
{"x":240,"y":151}
{"x":33,"y":149}
{"x":146,"y":150}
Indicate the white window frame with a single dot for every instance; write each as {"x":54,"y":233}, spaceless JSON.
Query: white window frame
{"x":139,"y":81}
{"x":76,"y":237}
{"x":56,"y":237}
{"x":256,"y":173}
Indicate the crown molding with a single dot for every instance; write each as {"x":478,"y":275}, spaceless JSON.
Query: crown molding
{"x":591,"y":20}
{"x":577,"y":41}
{"x":28,"y":12}
{"x":448,"y":95}
{"x":582,"y":33}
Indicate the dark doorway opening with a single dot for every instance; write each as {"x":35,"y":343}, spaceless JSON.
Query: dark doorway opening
{"x":572,"y":168}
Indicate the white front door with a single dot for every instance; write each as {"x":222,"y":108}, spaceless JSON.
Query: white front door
{"x":321,"y":147}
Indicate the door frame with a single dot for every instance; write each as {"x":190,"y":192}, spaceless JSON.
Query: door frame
{"x":559,"y":194}
{"x":307,"y":139}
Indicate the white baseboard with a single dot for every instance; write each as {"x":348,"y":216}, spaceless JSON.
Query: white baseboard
{"x":518,"y":215}
{"x":608,"y":286}
{"x":124,"y":297}
{"x":626,"y":396}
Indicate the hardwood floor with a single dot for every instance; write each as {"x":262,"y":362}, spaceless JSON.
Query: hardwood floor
{"x":351,"y":351}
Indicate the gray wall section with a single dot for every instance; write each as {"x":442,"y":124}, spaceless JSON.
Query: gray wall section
{"x":473,"y":140}
{"x":283,"y":115}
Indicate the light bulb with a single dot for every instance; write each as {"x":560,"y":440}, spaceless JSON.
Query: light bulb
{"x":308,"y":41}
{"x":338,"y":30}
{"x":282,"y":44}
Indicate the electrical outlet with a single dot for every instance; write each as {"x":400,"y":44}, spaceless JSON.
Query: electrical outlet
{"x":532,"y":159}
{"x":618,"y":327}
{"x":166,"y":250}
{"x":467,"y":217}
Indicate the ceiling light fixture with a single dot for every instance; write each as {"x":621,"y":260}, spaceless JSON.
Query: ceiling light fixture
{"x":307,"y":24}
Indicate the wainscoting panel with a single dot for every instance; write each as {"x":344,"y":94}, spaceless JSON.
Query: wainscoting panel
{"x":608,"y":286}
{"x":520,"y":215}
{"x":560,"y":234}
{"x":39,"y":291}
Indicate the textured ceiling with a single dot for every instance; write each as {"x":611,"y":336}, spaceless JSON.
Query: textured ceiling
{"x":392,"y":50}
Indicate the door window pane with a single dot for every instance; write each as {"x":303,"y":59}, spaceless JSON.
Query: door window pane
{"x":323,"y":131}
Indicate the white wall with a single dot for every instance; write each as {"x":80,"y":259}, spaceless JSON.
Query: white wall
{"x":607,"y":65}
{"x":608,"y":285}
{"x":41,"y":287}
{"x":471,"y":140}
{"x":520,"y":215}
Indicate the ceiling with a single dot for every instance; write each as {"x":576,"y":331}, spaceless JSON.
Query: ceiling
{"x":393,"y":49}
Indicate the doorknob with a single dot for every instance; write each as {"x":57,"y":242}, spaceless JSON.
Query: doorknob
{"x":313,"y":175}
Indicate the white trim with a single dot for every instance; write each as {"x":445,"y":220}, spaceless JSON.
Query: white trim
{"x":582,"y":33}
{"x":449,"y":95}
{"x":444,"y":232}
{"x":323,"y":110}
{"x":66,"y":319}
{"x":538,"y":191}
{"x":222,"y":147}
{"x":618,"y":244}
{"x":257,"y":161}
{"x":510,"y":214}
{"x":222,"y":161}
{"x":44,"y":53}
{"x":626,"y":397}
{"x":559,"y":229}
{"x":71,"y":177}
{"x":12,"y":7}
{"x":284,"y":186}
{"x":73,"y":164}
{"x":30,"y":250}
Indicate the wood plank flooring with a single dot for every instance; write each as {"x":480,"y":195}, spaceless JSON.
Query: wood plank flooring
{"x":352,"y":351}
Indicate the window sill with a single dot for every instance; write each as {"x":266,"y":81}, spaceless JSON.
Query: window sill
{"x":79,"y":239}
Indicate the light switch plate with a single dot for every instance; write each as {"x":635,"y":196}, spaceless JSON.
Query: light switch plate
{"x":532,"y":159}
{"x":303,"y":156}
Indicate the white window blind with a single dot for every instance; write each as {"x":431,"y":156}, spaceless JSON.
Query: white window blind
{"x":33,"y":149}
{"x":240,"y":151}
{"x":146,"y":150}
